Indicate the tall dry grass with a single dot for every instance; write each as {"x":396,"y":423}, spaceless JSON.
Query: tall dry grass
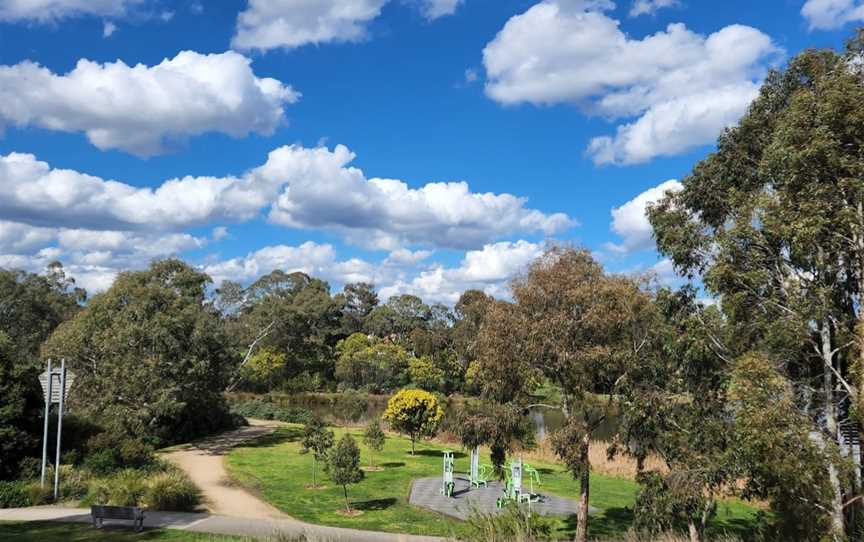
{"x":621,"y":466}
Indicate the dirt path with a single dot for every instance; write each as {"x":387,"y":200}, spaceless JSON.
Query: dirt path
{"x":203,"y":462}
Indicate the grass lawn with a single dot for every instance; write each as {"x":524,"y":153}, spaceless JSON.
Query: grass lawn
{"x":49,"y":531}
{"x":274,"y":468}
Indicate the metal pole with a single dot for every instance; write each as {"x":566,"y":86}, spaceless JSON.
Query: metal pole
{"x":45,"y":430}
{"x":59,"y":428}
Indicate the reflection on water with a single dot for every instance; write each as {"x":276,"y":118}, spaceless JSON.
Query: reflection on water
{"x":546,"y":420}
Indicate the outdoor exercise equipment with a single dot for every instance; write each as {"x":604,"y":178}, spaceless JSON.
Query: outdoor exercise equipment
{"x":513,"y":490}
{"x":447,"y":484}
{"x":479,"y":474}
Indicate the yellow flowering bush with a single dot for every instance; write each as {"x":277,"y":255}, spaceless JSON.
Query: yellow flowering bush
{"x":415,"y":413}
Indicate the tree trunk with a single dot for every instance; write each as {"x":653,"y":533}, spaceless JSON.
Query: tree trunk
{"x":838,"y":529}
{"x":347,"y":503}
{"x":584,"y":485}
{"x":693,"y":531}
{"x":412,"y":444}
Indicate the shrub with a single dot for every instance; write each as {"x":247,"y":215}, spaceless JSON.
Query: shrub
{"x":172,"y":491}
{"x":515,"y":524}
{"x":266,"y":410}
{"x":415,"y":413}
{"x":14,"y":495}
{"x":29,"y":468}
{"x":102,"y":461}
{"x":73,"y":483}
{"x":39,"y":495}
{"x":126,"y":488}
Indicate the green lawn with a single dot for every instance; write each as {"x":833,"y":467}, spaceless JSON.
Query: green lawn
{"x":49,"y":531}
{"x":274,"y":468}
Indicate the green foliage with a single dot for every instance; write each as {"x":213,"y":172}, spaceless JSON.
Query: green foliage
{"x":264,"y":368}
{"x":150,"y":356}
{"x":172,"y":491}
{"x":318,"y":440}
{"x":165,"y":488}
{"x":14,"y":495}
{"x":425,"y":374}
{"x":374,"y":439}
{"x":371,"y":365}
{"x":351,"y":406}
{"x":514,"y":524}
{"x":267,"y":410}
{"x":31,"y":307}
{"x":415,"y":413}
{"x":501,"y":427}
{"x":343,"y":465}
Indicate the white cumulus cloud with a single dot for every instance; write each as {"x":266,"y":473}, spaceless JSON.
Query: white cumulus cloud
{"x":630,"y":221}
{"x":288,"y":24}
{"x":831,"y":14}
{"x":144,"y":109}
{"x":44,"y":11}
{"x":302,"y":188}
{"x":649,"y":7}
{"x":677,"y":88}
{"x":270,"y":24}
{"x":488,"y":269}
{"x":433,"y":9}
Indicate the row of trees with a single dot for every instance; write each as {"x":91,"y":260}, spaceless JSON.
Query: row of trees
{"x":758,"y":396}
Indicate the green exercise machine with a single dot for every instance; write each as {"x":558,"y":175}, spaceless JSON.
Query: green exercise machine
{"x":513,"y":488}
{"x":479,"y":474}
{"x":447,"y":484}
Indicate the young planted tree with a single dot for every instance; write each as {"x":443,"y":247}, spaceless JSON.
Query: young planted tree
{"x":580,"y":328}
{"x":374,"y":438}
{"x":317,"y":440}
{"x":415,"y":413}
{"x":343,"y":466}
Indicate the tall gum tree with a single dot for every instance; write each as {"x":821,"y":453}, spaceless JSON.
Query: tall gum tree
{"x":773,"y":222}
{"x":576,"y":326}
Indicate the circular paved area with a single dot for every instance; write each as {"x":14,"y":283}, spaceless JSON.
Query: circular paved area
{"x":426,"y":492}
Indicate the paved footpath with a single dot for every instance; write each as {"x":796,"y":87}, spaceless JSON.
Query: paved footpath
{"x":230,"y":510}
{"x":216,"y":524}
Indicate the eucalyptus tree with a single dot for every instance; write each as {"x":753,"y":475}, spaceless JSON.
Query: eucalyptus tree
{"x":150,"y":356}
{"x":673,"y":405}
{"x":773,"y":223}
{"x":579,"y":328}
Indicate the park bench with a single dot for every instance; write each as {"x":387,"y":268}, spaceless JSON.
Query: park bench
{"x":128,"y":513}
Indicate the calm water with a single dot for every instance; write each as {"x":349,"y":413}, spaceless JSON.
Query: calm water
{"x":545,"y":420}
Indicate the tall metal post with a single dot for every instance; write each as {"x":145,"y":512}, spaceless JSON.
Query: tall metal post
{"x":59,"y":427}
{"x":45,"y":430}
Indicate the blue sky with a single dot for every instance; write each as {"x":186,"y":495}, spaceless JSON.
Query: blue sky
{"x":139,"y":129}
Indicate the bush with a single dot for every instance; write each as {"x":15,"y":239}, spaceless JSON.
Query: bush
{"x":39,"y":495}
{"x":73,"y":483}
{"x":102,"y":462}
{"x":515,"y":524}
{"x":126,"y":488}
{"x":266,"y":410}
{"x":29,"y":468}
{"x":14,"y":495}
{"x":172,"y":491}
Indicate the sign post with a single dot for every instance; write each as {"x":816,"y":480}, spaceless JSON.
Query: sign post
{"x":55,"y":385}
{"x":47,"y":392}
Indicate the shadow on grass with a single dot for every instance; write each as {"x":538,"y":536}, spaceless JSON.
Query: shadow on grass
{"x":393,"y":464}
{"x":437,"y":453}
{"x":280,"y":436}
{"x":375,"y":504}
{"x":612,"y":522}
{"x":44,"y":531}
